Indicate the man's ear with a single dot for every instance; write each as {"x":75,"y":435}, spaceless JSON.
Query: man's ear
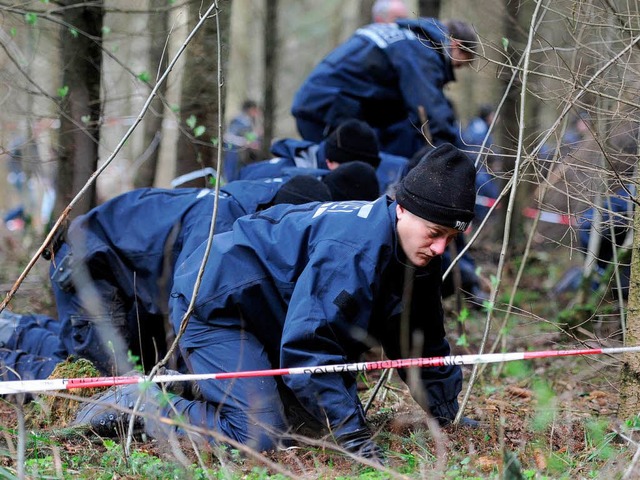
{"x":400,"y":211}
{"x":331,"y":165}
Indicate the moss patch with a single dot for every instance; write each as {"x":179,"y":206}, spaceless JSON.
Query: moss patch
{"x":58,"y":410}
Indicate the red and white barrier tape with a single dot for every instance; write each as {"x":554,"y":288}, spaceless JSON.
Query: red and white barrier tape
{"x":485,"y":201}
{"x":28,"y":386}
{"x":529,"y":212}
{"x":550,"y":217}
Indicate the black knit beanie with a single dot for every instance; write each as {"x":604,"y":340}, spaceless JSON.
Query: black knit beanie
{"x":353,"y":140}
{"x":353,"y":181}
{"x":441,"y":188}
{"x":302,"y":189}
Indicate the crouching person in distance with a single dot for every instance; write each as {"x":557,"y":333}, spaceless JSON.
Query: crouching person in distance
{"x":309,"y":285}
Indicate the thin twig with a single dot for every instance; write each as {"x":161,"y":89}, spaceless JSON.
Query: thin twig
{"x":510,"y":205}
{"x":185,"y":319}
{"x":22,"y":436}
{"x":92,"y":179}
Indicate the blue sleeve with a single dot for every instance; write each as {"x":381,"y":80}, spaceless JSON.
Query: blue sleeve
{"x":329,"y":308}
{"x":265,"y":169}
{"x":421,"y":78}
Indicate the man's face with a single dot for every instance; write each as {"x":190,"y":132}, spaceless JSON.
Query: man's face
{"x":420,"y":239}
{"x":459,"y":57}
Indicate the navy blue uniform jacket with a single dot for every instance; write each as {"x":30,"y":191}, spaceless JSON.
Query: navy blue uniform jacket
{"x":135,"y":238}
{"x":317,"y":284}
{"x":130,"y":245}
{"x":302,"y":155}
{"x":382,"y":74}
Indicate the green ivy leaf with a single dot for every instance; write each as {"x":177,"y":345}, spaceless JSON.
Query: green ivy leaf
{"x":30,"y":18}
{"x":63,"y":91}
{"x":86,"y":119}
{"x":13,"y":31}
{"x":462,"y":341}
{"x":106,"y":30}
{"x":214,"y":141}
{"x":144,"y":76}
{"x":199,"y":130}
{"x":505,"y":43}
{"x":191,"y":121}
{"x":175,"y":108}
{"x":109,"y":444}
{"x":44,"y":1}
{"x":73,"y":32}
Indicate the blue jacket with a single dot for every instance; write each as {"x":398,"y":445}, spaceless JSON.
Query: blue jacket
{"x":474,"y":134}
{"x":160,"y":224}
{"x":486,"y":184}
{"x":129,"y":245}
{"x":292,"y":154}
{"x":316,"y":283}
{"x":616,"y":212}
{"x":382,"y":75}
{"x":293,"y":157}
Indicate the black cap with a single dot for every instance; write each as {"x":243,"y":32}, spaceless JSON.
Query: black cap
{"x":302,"y":189}
{"x":353,"y":140}
{"x":353,"y":181}
{"x":441,"y":188}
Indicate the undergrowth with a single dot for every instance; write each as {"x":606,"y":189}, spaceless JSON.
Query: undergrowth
{"x":542,"y":419}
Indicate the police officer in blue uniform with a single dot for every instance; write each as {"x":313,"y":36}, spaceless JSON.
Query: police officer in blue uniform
{"x":309,"y":285}
{"x":112,"y":273}
{"x":390,"y":75}
{"x":616,"y":221}
{"x":353,"y":140}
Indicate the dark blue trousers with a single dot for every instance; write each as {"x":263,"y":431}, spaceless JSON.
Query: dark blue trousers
{"x":34,"y":349}
{"x":247,"y":410}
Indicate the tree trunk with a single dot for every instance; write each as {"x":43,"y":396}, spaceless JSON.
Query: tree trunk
{"x":271,"y":54}
{"x":364,"y":12}
{"x":509,"y":116}
{"x":429,"y":8}
{"x":199,"y":115}
{"x":630,"y":379}
{"x":158,"y":30}
{"x":81,"y":105}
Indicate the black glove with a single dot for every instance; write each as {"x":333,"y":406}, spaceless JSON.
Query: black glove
{"x":361,"y":444}
{"x":108,"y":414}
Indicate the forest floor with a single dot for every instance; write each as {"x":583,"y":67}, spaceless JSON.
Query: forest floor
{"x":546,"y":418}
